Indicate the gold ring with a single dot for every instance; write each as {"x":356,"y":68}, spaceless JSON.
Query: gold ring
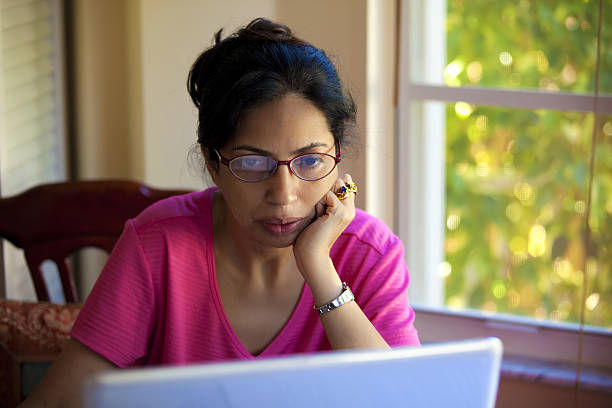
{"x":346,"y":191}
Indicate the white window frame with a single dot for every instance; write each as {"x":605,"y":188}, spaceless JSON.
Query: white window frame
{"x":420,"y":196}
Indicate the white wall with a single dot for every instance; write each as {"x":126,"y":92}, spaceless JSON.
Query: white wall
{"x":102,"y":112}
{"x":381,"y":107}
{"x":172,"y":36}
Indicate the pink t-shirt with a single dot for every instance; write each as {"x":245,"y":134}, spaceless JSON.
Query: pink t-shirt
{"x":157,"y":300}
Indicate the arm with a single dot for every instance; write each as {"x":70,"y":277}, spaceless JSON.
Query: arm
{"x":347,"y":326}
{"x":61,"y":385}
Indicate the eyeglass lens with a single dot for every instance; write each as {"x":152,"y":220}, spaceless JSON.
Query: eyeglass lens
{"x":254,"y":167}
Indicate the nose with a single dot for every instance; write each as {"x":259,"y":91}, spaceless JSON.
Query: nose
{"x":282,"y":187}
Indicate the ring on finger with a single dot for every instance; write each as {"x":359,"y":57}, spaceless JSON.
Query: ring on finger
{"x":346,"y":191}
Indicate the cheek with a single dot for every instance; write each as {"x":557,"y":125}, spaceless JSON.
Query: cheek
{"x":331,"y":179}
{"x":325,"y":185}
{"x":243,"y":208}
{"x":239,"y":198}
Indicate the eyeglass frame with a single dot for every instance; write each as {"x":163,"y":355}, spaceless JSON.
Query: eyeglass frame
{"x":337,"y":159}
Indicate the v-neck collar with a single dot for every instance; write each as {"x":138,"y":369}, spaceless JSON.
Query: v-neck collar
{"x":270,"y":348}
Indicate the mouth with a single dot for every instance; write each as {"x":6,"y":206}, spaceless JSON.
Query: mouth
{"x":283,"y":226}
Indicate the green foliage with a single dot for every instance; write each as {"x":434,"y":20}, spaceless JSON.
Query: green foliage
{"x":517,"y":179}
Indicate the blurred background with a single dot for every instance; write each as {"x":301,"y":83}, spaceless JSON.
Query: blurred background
{"x":474,"y":129}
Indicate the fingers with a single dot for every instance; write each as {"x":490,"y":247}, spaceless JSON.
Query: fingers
{"x":332,"y":216}
{"x":341,"y":200}
{"x":337,"y":186}
{"x":347,"y":178}
{"x":320,"y":207}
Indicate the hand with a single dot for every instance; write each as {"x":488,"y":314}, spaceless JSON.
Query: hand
{"x":332,"y":216}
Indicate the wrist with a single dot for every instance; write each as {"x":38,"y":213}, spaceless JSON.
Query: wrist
{"x":344,"y":297}
{"x":321,"y":277}
{"x":311,"y":259}
{"x":324,"y":293}
{"x":310,"y":253}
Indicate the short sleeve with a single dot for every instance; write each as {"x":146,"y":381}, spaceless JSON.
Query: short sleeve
{"x":117,"y":319}
{"x":381,"y":290}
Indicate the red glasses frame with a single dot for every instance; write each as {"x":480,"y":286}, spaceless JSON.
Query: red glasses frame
{"x":337,"y":159}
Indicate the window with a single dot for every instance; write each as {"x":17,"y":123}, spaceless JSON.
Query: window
{"x":32,"y":141}
{"x":495,"y":122}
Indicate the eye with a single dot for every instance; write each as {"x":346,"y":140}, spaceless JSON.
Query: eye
{"x":309,"y":161}
{"x":251,"y":163}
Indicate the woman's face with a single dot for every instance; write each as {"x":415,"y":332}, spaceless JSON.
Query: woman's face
{"x":274,"y":211}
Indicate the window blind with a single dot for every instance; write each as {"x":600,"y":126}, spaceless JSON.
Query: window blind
{"x":32,"y":135}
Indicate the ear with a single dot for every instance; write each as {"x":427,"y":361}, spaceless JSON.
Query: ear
{"x":212,"y":168}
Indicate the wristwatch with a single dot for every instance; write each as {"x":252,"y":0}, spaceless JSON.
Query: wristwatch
{"x":345,"y":297}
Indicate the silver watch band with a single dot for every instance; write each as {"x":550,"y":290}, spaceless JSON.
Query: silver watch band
{"x":345,"y":297}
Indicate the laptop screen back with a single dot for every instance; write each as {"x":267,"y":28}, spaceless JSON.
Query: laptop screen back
{"x":458,"y":374}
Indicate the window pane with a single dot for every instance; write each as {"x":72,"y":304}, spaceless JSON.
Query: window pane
{"x":546,"y":44}
{"x":599,"y":268}
{"x":516,"y":185}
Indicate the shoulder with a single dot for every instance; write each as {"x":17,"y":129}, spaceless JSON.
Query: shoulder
{"x":175,"y":208}
{"x":368,"y":232}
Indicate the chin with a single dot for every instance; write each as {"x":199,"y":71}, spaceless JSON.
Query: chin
{"x":278,"y":241}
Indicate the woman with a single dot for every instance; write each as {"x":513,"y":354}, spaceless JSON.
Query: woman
{"x":234,"y":272}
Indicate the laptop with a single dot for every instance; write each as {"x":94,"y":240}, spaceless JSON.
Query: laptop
{"x":459,"y":374}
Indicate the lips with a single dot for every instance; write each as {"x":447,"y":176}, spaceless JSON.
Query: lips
{"x":285,"y":226}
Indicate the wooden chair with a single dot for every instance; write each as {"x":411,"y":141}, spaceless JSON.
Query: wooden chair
{"x":51,"y":221}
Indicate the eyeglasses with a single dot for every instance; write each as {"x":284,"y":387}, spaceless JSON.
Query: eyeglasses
{"x":257,"y":167}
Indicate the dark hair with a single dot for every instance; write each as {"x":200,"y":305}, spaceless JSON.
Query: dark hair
{"x":257,"y":64}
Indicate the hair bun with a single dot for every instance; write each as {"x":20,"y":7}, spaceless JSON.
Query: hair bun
{"x":264,"y":29}
{"x":260,"y":29}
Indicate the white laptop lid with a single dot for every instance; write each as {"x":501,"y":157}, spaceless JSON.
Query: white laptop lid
{"x":458,"y":374}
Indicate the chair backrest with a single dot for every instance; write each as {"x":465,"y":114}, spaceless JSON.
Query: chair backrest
{"x":51,"y":221}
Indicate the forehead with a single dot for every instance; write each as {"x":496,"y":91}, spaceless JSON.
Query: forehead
{"x":283,"y":125}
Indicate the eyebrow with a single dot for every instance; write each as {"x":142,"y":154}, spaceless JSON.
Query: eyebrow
{"x":267,"y":153}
